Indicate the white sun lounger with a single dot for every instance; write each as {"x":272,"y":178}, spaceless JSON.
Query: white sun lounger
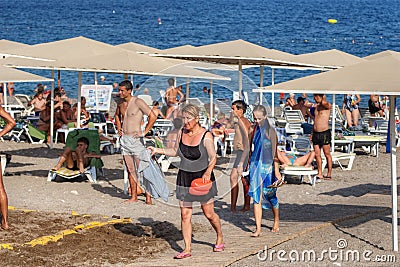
{"x":338,"y":157}
{"x":65,"y":173}
{"x":300,"y":171}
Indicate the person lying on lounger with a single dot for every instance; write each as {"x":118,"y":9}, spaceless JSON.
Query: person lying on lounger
{"x":287,"y":159}
{"x":78,"y":159}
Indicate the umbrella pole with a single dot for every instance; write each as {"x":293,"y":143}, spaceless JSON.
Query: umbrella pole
{"x":78,"y":119}
{"x":95,"y":88}
{"x":187,"y":90}
{"x":211,"y":101}
{"x":261,"y":82}
{"x":273,"y":96}
{"x":5,"y":97}
{"x":240,"y":78}
{"x":52,"y":109}
{"x":333,"y":121}
{"x":392,"y":128}
{"x":59,"y":78}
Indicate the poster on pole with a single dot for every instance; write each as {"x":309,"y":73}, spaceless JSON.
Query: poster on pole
{"x":98,"y":97}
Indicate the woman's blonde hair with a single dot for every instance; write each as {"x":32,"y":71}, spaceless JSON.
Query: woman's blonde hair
{"x":192,"y":110}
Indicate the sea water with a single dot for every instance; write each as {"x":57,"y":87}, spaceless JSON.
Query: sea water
{"x":296,"y":26}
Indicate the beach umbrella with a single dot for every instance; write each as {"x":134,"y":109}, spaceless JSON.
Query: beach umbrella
{"x":182,"y":49}
{"x":381,"y":54}
{"x":6,"y":45}
{"x":138,"y":48}
{"x":239,"y":53}
{"x":63,"y":49}
{"x":14,"y":75}
{"x":326,"y":60}
{"x":203,"y":65}
{"x":378,"y":76}
{"x":83,"y":54}
{"x":330,"y":59}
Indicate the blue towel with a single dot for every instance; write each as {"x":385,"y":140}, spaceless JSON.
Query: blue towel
{"x":153,"y":178}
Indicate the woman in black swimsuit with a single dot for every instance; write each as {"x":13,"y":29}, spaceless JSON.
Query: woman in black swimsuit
{"x":198,"y":158}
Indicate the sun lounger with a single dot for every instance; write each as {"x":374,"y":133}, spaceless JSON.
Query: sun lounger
{"x":65,"y":173}
{"x":228,"y":141}
{"x":339,"y":157}
{"x":3,"y":163}
{"x":294,"y":120}
{"x":300,"y":171}
{"x":96,"y":164}
{"x":34,"y":135}
{"x":368,"y":142}
{"x":162,"y":126}
{"x":23,"y":100}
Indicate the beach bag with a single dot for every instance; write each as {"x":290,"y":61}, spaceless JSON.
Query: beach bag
{"x":199,"y":188}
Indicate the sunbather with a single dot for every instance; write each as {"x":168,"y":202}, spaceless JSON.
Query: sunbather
{"x":78,"y":159}
{"x":292,"y":160}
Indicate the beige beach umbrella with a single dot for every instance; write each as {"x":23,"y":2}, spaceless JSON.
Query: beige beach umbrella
{"x":240,"y":53}
{"x":381,"y":54}
{"x":379,"y":76}
{"x":138,"y":48}
{"x":330,"y":59}
{"x":6,"y":45}
{"x":76,"y":47}
{"x":14,"y":75}
{"x":183,"y":49}
{"x":83,"y":54}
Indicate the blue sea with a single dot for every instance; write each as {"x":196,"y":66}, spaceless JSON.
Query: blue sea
{"x":296,"y":26}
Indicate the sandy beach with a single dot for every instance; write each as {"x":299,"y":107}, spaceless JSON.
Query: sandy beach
{"x":353,"y":207}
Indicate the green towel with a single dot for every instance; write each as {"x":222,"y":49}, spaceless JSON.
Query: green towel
{"x":94,"y":143}
{"x":34,"y":132}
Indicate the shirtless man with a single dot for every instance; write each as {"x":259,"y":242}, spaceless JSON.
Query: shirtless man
{"x":321,"y":135}
{"x":128,"y":118}
{"x":171,"y":98}
{"x":3,"y":196}
{"x":78,"y":159}
{"x":239,"y":109}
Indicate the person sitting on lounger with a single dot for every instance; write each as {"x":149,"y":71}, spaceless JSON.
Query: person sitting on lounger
{"x":78,"y":159}
{"x":292,"y":160}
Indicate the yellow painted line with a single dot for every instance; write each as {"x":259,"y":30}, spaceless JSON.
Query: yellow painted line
{"x":74,"y":213}
{"x":44,"y":240}
{"x":6,"y":246}
{"x":24,"y":210}
{"x":54,"y":238}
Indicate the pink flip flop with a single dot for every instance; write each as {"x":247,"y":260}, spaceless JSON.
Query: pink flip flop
{"x":182,"y":255}
{"x":219,"y":248}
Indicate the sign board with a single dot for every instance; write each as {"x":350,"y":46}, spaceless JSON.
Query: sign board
{"x":98,"y":97}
